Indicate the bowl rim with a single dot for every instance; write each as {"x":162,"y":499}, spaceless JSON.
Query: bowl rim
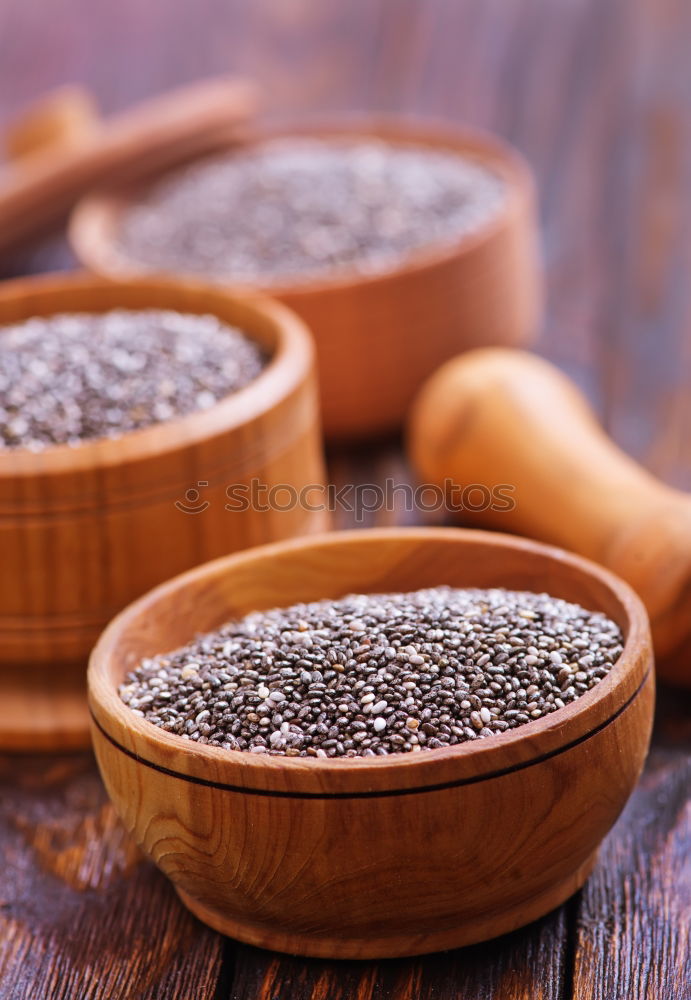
{"x":98,"y":211}
{"x":464,"y":763}
{"x":291,"y":360}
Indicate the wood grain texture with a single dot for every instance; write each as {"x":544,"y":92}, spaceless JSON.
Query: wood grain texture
{"x":650,"y":912}
{"x":499,"y":416}
{"x":374,"y":857}
{"x":596,"y":95}
{"x":81,"y":915}
{"x":530,"y":963}
{"x":84,"y":531}
{"x":638,"y":901}
{"x":482,"y":289}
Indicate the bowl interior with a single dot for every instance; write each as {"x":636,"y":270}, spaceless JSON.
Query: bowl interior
{"x":347,"y":562}
{"x":281,"y":336}
{"x":95,"y":222}
{"x":22,"y":299}
{"x":376,"y":560}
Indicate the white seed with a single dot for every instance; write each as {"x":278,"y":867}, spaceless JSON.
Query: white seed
{"x":72,"y":377}
{"x":342,"y":695}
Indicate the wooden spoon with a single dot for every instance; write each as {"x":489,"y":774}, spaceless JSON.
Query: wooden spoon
{"x":498,"y":416}
{"x":64,"y":118}
{"x":61,"y":149}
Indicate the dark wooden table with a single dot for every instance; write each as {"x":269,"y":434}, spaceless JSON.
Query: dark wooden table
{"x":597,"y":93}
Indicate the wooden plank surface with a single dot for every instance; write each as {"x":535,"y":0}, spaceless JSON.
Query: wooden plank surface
{"x":80,"y":914}
{"x":633,"y":917}
{"x":530,"y":963}
{"x":598,"y":96}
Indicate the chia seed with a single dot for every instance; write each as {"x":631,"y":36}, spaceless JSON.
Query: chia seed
{"x":296,"y":209}
{"x":377,"y":674}
{"x":72,"y":377}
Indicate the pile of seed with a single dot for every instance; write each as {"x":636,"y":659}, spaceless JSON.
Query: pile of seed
{"x":71,"y":377}
{"x":377,"y":674}
{"x":297,"y":209}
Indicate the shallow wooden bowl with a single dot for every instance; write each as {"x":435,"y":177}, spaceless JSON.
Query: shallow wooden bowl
{"x":379,"y":337}
{"x":375,"y":857}
{"x":83,"y":531}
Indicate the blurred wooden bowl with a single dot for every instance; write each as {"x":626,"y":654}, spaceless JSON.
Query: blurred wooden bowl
{"x":378,"y":337}
{"x":362,"y":858}
{"x":83,"y":531}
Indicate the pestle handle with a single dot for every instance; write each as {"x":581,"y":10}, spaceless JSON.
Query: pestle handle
{"x":497,"y":416}
{"x":61,"y":149}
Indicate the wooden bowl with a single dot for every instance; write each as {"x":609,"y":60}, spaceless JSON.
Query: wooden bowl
{"x":83,"y":531}
{"x":379,"y":337}
{"x":362,"y":858}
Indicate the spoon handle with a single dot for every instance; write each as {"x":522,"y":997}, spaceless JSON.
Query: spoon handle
{"x":61,"y":148}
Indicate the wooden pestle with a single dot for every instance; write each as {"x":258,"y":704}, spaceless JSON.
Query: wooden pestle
{"x":500,"y":416}
{"x":60,"y":148}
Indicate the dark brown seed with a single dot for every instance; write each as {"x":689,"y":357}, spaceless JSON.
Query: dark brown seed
{"x":380,"y":704}
{"x":73,"y":377}
{"x":292,"y":209}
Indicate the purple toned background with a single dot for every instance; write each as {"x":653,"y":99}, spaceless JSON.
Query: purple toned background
{"x":597,"y":93}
